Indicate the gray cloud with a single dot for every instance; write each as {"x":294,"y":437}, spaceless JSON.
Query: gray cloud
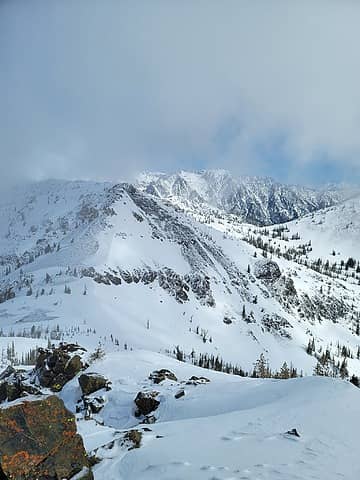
{"x":102,"y":89}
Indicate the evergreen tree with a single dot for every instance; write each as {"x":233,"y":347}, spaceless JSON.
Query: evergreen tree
{"x":261,"y":367}
{"x":284,"y":372}
{"x":344,"y":373}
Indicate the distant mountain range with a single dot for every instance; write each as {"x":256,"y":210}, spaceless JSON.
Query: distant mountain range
{"x":255,"y":200}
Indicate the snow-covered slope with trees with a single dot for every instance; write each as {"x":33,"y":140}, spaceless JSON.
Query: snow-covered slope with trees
{"x":332,"y":230}
{"x":148,"y":282}
{"x":77,"y":252}
{"x":154,"y":278}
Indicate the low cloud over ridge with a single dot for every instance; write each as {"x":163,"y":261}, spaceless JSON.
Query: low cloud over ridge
{"x":92,"y":89}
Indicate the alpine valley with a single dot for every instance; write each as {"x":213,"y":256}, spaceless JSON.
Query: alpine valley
{"x":194,"y":325}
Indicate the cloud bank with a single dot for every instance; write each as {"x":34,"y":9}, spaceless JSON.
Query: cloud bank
{"x":102,"y":89}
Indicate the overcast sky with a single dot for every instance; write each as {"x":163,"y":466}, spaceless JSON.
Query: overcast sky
{"x":105,"y":88}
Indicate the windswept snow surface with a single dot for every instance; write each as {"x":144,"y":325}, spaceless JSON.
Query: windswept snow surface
{"x":229,"y":428}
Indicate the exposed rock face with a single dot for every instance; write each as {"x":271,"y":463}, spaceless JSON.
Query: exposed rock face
{"x":92,"y":382}
{"x":55,"y":367}
{"x":256,"y":200}
{"x":267,"y":270}
{"x":318,"y":308}
{"x":276,"y":324}
{"x":38,"y":441}
{"x":173,"y":283}
{"x":146,"y":403}
{"x":159,"y":376}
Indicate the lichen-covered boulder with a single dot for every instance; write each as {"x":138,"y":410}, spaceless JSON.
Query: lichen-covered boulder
{"x":57,"y":366}
{"x":92,"y":382}
{"x":38,"y":440}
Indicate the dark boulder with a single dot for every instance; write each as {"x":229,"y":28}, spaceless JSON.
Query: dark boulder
{"x":38,"y":440}
{"x":92,"y":382}
{"x":293,"y":432}
{"x":197,"y":380}
{"x":9,"y":370}
{"x":56,"y":366}
{"x":146,"y":403}
{"x":13,"y":386}
{"x":89,"y":406}
{"x":179,"y":394}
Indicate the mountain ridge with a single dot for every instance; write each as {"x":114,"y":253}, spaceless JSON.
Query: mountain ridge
{"x":256,"y":200}
{"x":114,"y":238}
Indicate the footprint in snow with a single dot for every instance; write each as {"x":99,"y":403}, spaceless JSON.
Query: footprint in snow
{"x":311,"y":452}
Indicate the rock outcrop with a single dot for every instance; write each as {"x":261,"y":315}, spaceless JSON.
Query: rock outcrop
{"x":38,"y":441}
{"x":267,"y":270}
{"x":132,"y":439}
{"x":56,"y":366}
{"x":158,"y":376}
{"x":90,"y":405}
{"x":197,"y":380}
{"x":92,"y":382}
{"x":13,"y":385}
{"x":146,"y":403}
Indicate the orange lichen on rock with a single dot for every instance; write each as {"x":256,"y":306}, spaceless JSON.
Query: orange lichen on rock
{"x":38,"y":439}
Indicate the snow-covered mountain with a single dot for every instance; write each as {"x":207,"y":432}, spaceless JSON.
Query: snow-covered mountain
{"x":256,"y":200}
{"x":159,"y":279}
{"x":148,"y":281}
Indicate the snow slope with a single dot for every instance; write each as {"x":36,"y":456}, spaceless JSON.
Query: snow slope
{"x":229,"y":428}
{"x":333,"y":229}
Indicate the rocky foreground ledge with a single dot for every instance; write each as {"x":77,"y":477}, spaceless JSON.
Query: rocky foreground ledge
{"x":38,"y":440}
{"x":38,"y":437}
